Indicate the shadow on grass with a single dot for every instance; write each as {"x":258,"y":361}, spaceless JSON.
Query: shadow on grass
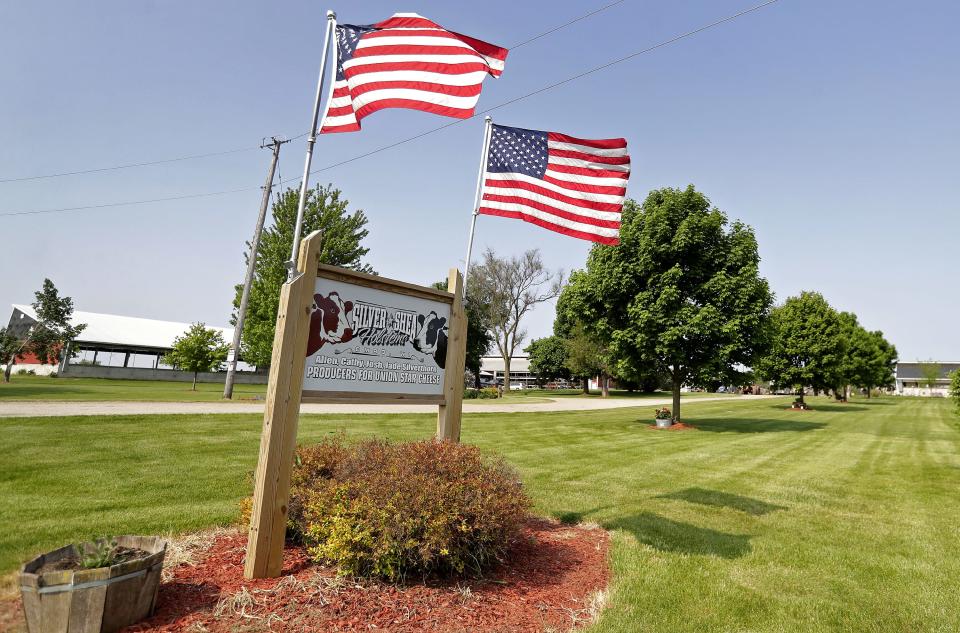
{"x":740,"y":425}
{"x":672,"y":536}
{"x":705,"y":497}
{"x":824,"y":408}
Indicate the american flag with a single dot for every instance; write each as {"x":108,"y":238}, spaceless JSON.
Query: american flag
{"x":407,"y":61}
{"x":566,"y":184}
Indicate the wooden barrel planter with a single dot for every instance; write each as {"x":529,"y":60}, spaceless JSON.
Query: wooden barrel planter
{"x":92,"y":600}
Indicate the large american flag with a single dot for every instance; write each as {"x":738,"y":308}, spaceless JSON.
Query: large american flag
{"x":407,"y":61}
{"x":566,"y":184}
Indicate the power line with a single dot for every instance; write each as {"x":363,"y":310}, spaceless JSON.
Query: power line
{"x":551,"y":86}
{"x":566,"y":24}
{"x":562,"y":82}
{"x":247,"y":149}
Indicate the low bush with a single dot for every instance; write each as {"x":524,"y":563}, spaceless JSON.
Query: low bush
{"x":486,"y":393}
{"x":411,"y":509}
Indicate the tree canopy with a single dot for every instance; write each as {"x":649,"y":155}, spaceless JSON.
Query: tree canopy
{"x":198,"y":349}
{"x":807,"y":344}
{"x":343,"y":234}
{"x":50,"y":337}
{"x":681,"y":294}
{"x":548,"y":359}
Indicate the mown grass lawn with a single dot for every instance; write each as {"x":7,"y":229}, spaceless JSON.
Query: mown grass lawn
{"x":23,"y":387}
{"x":765,"y":519}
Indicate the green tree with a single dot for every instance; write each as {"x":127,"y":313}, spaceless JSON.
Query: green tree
{"x":586,"y":358}
{"x":806,"y":345}
{"x":479,"y":338}
{"x":955,"y":387}
{"x":856,"y":353}
{"x":343,"y":234}
{"x":50,"y":337}
{"x":881,"y":365}
{"x":10,"y":347}
{"x":681,"y":294}
{"x":199,"y":349}
{"x":548,"y":359}
{"x":929,"y":374}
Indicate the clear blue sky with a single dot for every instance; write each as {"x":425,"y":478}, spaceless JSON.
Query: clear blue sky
{"x":830,"y":127}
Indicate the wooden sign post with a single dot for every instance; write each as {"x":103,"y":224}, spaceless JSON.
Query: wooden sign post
{"x":345,"y":336}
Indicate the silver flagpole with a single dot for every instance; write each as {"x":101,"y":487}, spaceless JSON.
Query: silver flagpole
{"x":311,"y":140}
{"x":488,"y":127}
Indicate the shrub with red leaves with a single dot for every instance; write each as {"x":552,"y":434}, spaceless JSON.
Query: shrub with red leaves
{"x":409,"y":509}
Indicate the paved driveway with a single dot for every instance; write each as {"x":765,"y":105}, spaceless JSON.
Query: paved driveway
{"x":56,"y":408}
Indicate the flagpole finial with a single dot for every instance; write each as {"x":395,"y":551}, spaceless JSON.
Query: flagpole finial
{"x":331,"y":14}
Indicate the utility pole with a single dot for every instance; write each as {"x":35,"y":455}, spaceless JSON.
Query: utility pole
{"x":275,"y":143}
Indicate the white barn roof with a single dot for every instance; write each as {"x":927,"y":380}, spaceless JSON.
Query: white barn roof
{"x":113,"y":329}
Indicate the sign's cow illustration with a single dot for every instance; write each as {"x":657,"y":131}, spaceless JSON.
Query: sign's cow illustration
{"x":432,"y":337}
{"x":329,"y":321}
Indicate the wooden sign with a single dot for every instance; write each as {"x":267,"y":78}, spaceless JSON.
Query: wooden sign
{"x":344,"y":336}
{"x":375,"y":340}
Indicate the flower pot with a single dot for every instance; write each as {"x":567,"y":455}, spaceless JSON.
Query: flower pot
{"x":92,"y":600}
{"x":664,"y":424}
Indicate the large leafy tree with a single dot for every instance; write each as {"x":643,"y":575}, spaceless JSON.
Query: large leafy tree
{"x":857,"y":350}
{"x":681,"y":294}
{"x":807,"y":345}
{"x":882,"y":364}
{"x":343,"y":234}
{"x":548,"y":358}
{"x":507,"y":289}
{"x":868,"y":358}
{"x":198,"y":349}
{"x":50,"y":337}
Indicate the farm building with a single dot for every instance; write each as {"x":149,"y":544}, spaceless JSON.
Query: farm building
{"x":931,"y":378}
{"x":114,"y":346}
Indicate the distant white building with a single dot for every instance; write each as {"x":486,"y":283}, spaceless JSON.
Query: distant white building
{"x":108,"y":341}
{"x":491,"y":370}
{"x":912,"y":381}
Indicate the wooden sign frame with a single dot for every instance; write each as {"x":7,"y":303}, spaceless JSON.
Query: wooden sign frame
{"x":278,"y":441}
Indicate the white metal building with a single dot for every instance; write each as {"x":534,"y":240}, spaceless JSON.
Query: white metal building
{"x":911,"y":378}
{"x":491,"y":370}
{"x":110,"y":340}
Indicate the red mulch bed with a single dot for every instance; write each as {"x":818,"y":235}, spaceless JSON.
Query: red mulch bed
{"x":676,"y":426}
{"x":548,"y":581}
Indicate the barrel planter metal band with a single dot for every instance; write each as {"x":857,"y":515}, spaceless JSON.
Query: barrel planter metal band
{"x":93,"y":583}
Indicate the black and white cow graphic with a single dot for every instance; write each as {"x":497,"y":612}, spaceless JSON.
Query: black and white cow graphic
{"x":329,"y":321}
{"x":431,"y":337}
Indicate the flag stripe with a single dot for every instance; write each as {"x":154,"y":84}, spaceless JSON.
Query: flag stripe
{"x":562,"y":170}
{"x":572,"y":229}
{"x":603,"y":143}
{"x":582,"y":218}
{"x":570,"y":189}
{"x":591,"y":158}
{"x":584,"y":149}
{"x":577,"y":205}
